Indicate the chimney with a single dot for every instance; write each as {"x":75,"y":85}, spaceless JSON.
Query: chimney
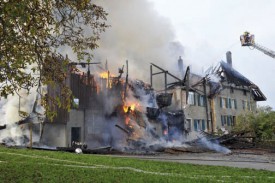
{"x":180,"y":66}
{"x":229,"y":58}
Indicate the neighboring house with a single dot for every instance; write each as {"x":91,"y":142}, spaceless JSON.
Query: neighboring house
{"x":213,"y":105}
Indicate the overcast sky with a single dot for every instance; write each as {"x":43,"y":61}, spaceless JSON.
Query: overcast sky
{"x":209,"y":28}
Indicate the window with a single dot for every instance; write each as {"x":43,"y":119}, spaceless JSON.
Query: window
{"x":223,"y":102}
{"x":201,"y":100}
{"x":229,"y":120}
{"x":199,"y":125}
{"x":75,"y":103}
{"x":195,"y":125}
{"x":188,"y":124}
{"x":229,"y":103}
{"x":191,"y":98}
{"x":203,"y":124}
{"x":234,"y":103}
{"x":246,"y":105}
{"x":223,"y":120}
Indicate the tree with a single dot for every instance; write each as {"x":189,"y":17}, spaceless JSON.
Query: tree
{"x":260,"y":124}
{"x":31,"y":35}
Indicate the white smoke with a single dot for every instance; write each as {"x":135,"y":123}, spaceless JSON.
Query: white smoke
{"x":140,"y":35}
{"x":214,"y":146}
{"x":10,"y":114}
{"x":11,"y":110}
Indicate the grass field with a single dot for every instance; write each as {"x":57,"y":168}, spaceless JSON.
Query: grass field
{"x":25,"y":165}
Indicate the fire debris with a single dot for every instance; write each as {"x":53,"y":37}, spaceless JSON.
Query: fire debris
{"x":124,"y":130}
{"x":233,"y":140}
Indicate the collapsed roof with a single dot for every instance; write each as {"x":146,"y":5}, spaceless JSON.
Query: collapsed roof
{"x":226,"y":73}
{"x":229,"y":74}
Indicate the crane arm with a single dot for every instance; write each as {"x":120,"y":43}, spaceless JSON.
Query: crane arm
{"x":247,"y":39}
{"x":264,"y":50}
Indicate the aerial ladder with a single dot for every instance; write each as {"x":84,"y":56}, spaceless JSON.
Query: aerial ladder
{"x":248,"y":39}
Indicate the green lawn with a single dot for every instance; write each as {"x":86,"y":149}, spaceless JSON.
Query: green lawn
{"x":25,"y":165}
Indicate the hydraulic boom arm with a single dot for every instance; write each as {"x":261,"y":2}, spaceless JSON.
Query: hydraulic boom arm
{"x":247,"y":39}
{"x":264,"y":50}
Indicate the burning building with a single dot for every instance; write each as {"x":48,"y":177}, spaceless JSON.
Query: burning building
{"x":108,"y":110}
{"x":115,"y":111}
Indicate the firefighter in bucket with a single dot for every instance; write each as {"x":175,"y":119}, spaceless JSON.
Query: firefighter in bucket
{"x":247,"y":39}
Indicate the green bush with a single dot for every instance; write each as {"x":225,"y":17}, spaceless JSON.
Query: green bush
{"x":260,"y":124}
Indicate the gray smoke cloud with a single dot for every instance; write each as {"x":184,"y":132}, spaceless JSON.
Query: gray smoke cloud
{"x":137,"y":34}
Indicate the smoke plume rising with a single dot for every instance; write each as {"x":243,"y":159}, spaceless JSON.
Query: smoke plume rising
{"x":137,"y":34}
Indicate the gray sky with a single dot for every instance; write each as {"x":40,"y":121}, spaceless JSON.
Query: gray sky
{"x":209,"y":28}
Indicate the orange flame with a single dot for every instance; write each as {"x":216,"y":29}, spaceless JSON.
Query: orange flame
{"x":129,"y":108}
{"x":127,"y":120}
{"x":104,"y":75}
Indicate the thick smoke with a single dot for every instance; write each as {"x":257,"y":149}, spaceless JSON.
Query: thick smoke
{"x":10,"y":115}
{"x":140,"y":35}
{"x":17,"y":107}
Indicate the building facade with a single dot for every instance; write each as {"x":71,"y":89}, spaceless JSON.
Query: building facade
{"x":214,"y":105}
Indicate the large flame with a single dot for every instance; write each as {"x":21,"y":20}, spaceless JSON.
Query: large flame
{"x":104,"y":75}
{"x":130,"y":107}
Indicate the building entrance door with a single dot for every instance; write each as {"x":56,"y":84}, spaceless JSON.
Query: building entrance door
{"x":75,"y":135}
